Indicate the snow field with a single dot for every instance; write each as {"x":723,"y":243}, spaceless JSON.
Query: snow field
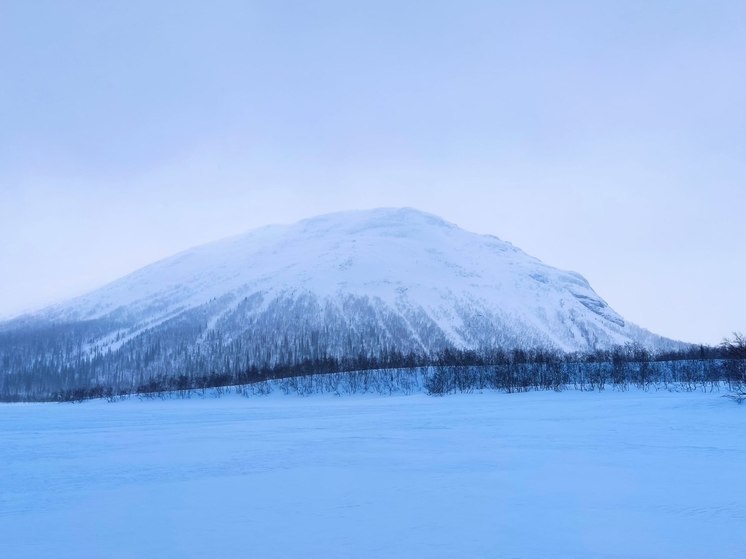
{"x":617,"y":475}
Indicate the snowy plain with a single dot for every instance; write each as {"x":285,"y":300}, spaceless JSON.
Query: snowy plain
{"x":541,"y":474}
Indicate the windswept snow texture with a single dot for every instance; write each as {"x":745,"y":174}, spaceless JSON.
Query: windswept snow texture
{"x":350,"y":283}
{"x":544,"y":475}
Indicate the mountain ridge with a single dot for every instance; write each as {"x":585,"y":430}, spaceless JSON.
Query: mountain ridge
{"x":396,"y":257}
{"x":363,"y":285}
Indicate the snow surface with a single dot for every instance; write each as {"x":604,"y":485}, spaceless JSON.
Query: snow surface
{"x":572,"y":475}
{"x":405,"y":266}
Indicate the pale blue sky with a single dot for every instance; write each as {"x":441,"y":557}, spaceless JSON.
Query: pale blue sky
{"x":604,"y":137}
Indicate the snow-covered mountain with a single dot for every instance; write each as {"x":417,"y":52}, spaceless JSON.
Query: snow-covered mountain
{"x":350,"y":283}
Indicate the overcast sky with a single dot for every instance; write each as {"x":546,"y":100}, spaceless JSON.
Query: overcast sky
{"x":603,"y":137}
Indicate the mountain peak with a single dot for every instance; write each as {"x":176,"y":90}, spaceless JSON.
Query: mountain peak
{"x":369,"y":280}
{"x":387,"y":219}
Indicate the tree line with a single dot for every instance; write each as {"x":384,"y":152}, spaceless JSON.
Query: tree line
{"x":450,"y":370}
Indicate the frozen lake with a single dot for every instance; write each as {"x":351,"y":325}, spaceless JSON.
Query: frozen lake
{"x":484,"y":475}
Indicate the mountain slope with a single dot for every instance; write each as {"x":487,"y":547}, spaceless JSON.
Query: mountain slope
{"x":340,"y":285}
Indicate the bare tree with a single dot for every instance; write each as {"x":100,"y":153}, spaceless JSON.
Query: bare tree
{"x":736,"y":346}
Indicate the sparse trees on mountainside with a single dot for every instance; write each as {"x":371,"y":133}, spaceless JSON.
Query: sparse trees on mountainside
{"x":78,"y":361}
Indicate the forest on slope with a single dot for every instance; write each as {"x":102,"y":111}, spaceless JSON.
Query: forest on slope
{"x":53,"y":368}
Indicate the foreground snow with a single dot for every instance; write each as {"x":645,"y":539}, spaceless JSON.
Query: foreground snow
{"x":483,"y":475}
